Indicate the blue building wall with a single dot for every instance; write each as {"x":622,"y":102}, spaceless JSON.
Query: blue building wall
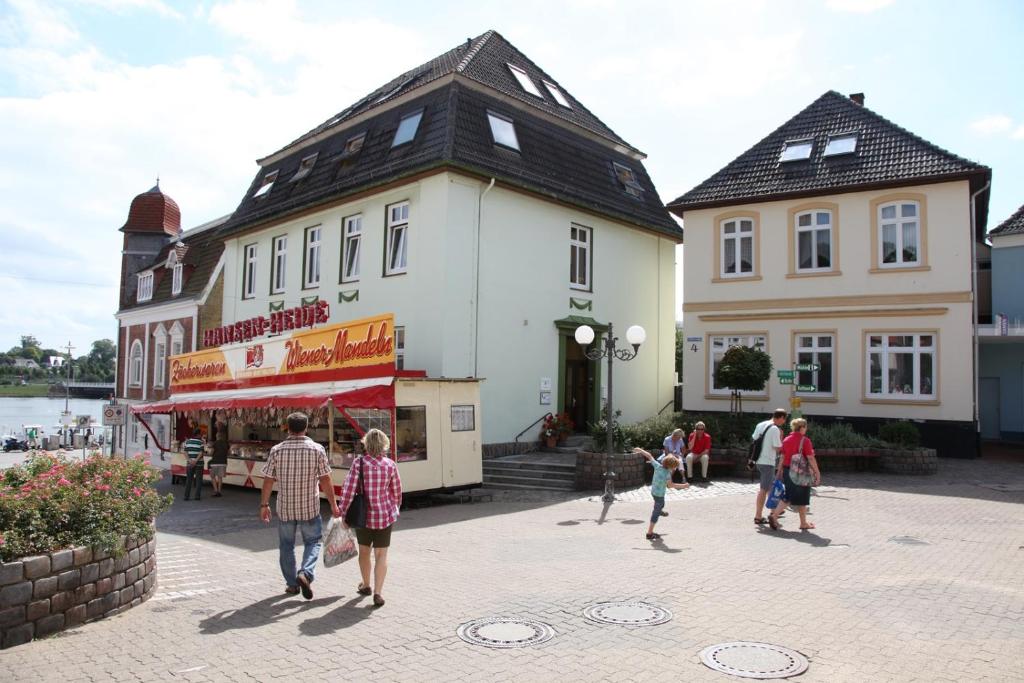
{"x":1005,"y":361}
{"x":1008,"y":282}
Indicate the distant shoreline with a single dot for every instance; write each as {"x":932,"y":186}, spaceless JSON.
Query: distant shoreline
{"x":24,"y":391}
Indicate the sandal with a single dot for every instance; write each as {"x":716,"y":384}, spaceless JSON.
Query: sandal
{"x":364,"y":590}
{"x":653,"y":537}
{"x":773,"y":523}
{"x":759,"y":520}
{"x":377,"y":600}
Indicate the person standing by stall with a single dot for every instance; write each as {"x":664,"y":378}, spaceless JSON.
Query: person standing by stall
{"x":297,"y":465}
{"x":219,"y":461}
{"x":194,"y":448}
{"x":376,"y":477}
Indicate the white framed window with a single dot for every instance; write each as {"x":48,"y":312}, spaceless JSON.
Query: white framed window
{"x":279,"y":264}
{"x":796,"y":150}
{"x":503,"y":130}
{"x":901,"y":365}
{"x":899,"y":238}
{"x":525,"y":82}
{"x":352,"y":239}
{"x":399,"y":348}
{"x":463,"y":418}
{"x":353,"y":145}
{"x":580,"y":240}
{"x":627,"y":178}
{"x":311,"y":267}
{"x":265,"y":185}
{"x":249,"y":271}
{"x":159,"y":362}
{"x":397,"y":247}
{"x":144,"y":291}
{"x":719,"y":344}
{"x":176,"y":346}
{"x":305,"y":167}
{"x":844,"y":143}
{"x":176,"y":275}
{"x":816,"y":348}
{"x":737,"y":247}
{"x":135,"y":364}
{"x":407,"y":128}
{"x":814,"y":240}
{"x":557,"y":94}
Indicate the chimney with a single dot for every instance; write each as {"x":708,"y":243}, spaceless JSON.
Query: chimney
{"x":858,"y":98}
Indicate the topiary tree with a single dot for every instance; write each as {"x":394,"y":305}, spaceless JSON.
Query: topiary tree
{"x":743,"y":368}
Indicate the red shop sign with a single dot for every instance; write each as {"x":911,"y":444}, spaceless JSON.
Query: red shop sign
{"x":289,"y":319}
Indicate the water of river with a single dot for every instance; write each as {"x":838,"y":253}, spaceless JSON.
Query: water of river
{"x":15,"y":412}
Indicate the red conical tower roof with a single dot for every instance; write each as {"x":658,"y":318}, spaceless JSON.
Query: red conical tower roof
{"x":153,"y":211}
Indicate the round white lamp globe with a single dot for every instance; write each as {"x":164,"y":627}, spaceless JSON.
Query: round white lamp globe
{"x":635,"y":335}
{"x":584,"y":335}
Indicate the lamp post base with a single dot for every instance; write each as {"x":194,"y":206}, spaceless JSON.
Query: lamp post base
{"x":609,"y":488}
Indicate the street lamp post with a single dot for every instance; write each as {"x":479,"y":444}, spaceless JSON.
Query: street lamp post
{"x":635,"y":335}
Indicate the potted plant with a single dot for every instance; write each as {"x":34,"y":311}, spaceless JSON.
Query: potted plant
{"x":555,"y":429}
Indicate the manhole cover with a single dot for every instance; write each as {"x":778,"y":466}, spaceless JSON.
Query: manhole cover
{"x":627,"y":613}
{"x":754,"y":660}
{"x":908,"y":540}
{"x":505,"y":632}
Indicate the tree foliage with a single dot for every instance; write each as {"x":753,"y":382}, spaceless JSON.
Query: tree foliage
{"x":743,"y":368}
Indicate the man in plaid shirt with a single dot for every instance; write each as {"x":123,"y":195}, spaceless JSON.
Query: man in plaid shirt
{"x":297,"y":465}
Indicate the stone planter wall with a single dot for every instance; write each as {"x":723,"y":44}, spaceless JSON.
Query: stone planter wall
{"x":500,"y":450}
{"x":628,"y":468}
{"x":44,"y":594}
{"x":910,"y":461}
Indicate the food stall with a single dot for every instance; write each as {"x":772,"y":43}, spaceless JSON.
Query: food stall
{"x":343,"y":376}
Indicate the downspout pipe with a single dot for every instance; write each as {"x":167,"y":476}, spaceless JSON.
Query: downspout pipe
{"x":476,"y":298}
{"x":974,"y":317}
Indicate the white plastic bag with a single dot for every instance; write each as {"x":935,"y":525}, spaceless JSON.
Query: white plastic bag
{"x":339,"y":544}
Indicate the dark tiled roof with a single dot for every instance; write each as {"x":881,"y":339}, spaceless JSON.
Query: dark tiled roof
{"x":1012,"y":225}
{"x":886,"y":155}
{"x":555,"y":160}
{"x":482,"y":59}
{"x":204,"y":250}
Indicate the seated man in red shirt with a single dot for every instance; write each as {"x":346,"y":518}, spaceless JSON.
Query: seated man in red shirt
{"x":699,"y":447}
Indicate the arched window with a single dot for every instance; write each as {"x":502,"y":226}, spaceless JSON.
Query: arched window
{"x":135,"y":364}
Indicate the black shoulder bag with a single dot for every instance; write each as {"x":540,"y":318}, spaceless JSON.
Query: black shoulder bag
{"x":355,"y":516}
{"x":755,"y":449}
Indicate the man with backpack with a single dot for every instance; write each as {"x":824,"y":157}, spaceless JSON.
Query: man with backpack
{"x":764,"y":452}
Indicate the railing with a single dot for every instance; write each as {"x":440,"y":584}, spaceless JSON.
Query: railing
{"x":532,"y":425}
{"x":670,"y":403}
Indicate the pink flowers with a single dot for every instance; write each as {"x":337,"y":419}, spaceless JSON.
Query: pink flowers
{"x":63,"y":482}
{"x":103,"y":487}
{"x":136,"y":491}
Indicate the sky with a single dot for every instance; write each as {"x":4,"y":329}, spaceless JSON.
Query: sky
{"x":99,"y":97}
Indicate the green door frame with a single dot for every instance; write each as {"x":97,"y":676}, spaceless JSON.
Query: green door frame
{"x":566,"y":335}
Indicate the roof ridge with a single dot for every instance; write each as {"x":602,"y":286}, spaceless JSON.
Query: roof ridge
{"x":480,"y":42}
{"x":1008,"y":226}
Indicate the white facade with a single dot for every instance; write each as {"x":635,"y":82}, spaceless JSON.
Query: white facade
{"x":486,"y":276}
{"x":861,"y":309}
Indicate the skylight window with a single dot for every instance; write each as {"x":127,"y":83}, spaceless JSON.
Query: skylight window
{"x":305,"y":167}
{"x":407,"y":128}
{"x":525,"y":81}
{"x":557,"y":94}
{"x":796,"y":150}
{"x":845,"y":143}
{"x":627,"y":179}
{"x":268,"y":182}
{"x":503,"y":130}
{"x":398,"y":88}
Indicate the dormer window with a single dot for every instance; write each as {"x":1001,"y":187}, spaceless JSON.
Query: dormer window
{"x":305,"y":166}
{"x":796,"y":150}
{"x":503,"y":131}
{"x":525,"y":82}
{"x":176,"y":275}
{"x":268,"y":182}
{"x":353,"y":145}
{"x":845,"y":143}
{"x":627,"y":179}
{"x":144,"y":292}
{"x":557,"y":94}
{"x":407,"y":128}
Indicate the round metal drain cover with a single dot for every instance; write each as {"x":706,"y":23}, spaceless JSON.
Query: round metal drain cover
{"x":505,"y":632}
{"x":754,"y":660}
{"x":627,"y":613}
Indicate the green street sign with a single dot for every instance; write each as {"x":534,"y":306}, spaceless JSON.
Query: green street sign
{"x":784,"y":374}
{"x":807,"y":367}
{"x":785,"y":380}
{"x":806,"y":387}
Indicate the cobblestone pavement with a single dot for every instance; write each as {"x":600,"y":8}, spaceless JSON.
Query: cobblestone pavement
{"x":906,"y":578}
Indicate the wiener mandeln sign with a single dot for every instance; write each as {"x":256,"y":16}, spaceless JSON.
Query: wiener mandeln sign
{"x":355,"y":349}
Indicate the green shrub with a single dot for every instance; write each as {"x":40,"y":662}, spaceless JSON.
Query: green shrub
{"x":599,"y":433}
{"x":650,"y":433}
{"x":51,"y":503}
{"x":839,"y":435}
{"x":902,"y":434}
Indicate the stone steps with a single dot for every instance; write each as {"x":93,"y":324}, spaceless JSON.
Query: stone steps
{"x":532,"y":473}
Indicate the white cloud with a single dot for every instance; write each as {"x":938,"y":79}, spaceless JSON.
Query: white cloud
{"x":1019,"y":133}
{"x":124,"y":6}
{"x":858,"y":6}
{"x":990,"y":125}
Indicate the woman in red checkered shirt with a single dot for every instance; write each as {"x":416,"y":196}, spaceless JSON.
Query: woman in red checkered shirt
{"x":382,"y":488}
